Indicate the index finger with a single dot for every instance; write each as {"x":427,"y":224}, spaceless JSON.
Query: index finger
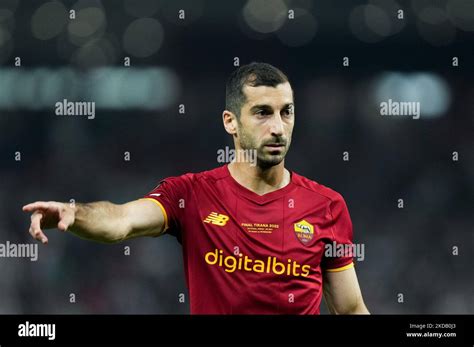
{"x":35,"y":206}
{"x":35,"y":227}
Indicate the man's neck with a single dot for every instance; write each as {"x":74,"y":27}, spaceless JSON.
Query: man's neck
{"x":258,"y":180}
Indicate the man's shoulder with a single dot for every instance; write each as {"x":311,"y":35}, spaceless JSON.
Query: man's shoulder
{"x":315,"y":187}
{"x":194,"y":177}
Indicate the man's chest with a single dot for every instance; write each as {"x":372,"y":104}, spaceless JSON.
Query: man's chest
{"x":290,"y":228}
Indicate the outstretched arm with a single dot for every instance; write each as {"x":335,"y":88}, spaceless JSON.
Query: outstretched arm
{"x":100,"y":221}
{"x":342,"y":293}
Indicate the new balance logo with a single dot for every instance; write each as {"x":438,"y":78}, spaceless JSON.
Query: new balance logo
{"x":216,"y":219}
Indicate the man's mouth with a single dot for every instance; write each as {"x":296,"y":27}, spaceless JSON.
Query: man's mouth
{"x":275,"y":147}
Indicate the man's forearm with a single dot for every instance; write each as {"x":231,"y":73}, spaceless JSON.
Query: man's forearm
{"x":99,"y":221}
{"x":359,"y":309}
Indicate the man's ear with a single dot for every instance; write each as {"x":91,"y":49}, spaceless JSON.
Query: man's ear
{"x":230,"y":122}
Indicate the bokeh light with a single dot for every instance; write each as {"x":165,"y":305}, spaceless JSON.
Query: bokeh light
{"x":142,"y":8}
{"x":375,"y":21}
{"x":429,"y":89}
{"x":461,"y":13}
{"x":111,"y":88}
{"x":143,"y":37}
{"x":265,"y":16}
{"x":359,"y":26}
{"x":90,"y":23}
{"x":435,"y":27}
{"x":49,"y":20}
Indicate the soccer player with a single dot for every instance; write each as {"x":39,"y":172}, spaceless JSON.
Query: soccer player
{"x":253,"y":233}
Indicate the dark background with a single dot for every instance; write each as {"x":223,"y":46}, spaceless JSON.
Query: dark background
{"x":186,"y":62}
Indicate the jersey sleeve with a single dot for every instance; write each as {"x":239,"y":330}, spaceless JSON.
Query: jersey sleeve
{"x":171,"y":195}
{"x":341,"y":258}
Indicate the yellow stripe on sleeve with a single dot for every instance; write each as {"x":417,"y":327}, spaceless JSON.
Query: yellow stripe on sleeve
{"x":345,"y":267}
{"x":162,"y":209}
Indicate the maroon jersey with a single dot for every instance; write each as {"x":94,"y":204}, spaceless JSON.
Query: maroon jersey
{"x":246,"y":253}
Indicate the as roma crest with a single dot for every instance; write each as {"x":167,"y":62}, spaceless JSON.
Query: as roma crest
{"x":304,"y":231}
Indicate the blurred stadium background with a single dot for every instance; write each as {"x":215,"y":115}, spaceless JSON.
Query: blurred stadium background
{"x":186,"y":62}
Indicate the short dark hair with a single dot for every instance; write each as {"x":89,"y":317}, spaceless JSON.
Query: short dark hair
{"x":253,"y":74}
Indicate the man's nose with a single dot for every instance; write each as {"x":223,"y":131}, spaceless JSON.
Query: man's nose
{"x":276,"y":127}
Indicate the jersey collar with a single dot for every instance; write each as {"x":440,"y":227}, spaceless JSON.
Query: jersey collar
{"x":254,"y":197}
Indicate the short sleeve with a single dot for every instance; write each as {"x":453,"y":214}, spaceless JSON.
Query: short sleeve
{"x":171,"y":195}
{"x":339,"y":253}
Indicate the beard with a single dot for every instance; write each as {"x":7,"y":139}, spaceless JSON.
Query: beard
{"x":266,"y":156}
